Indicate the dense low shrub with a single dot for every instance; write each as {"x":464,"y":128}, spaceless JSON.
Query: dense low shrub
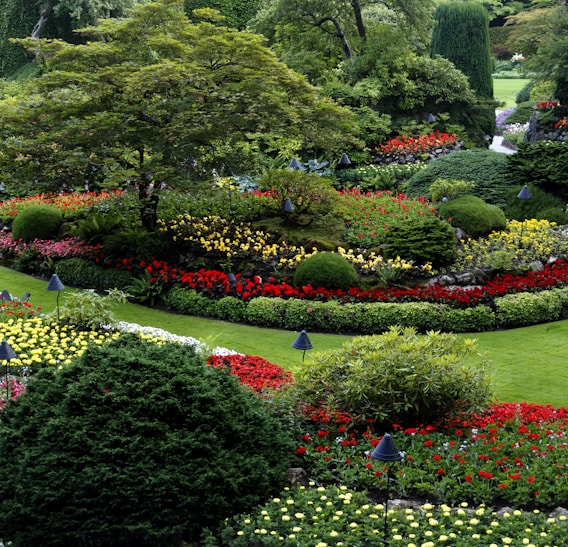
{"x":475,"y":217}
{"x":489,"y":171}
{"x":37,"y":222}
{"x":230,"y":308}
{"x":422,"y":240}
{"x":189,"y":302}
{"x":136,"y":444}
{"x":397,"y":377}
{"x":543,"y":164}
{"x":524,"y":309}
{"x":542,"y":205}
{"x":327,"y":270}
{"x":78,"y":272}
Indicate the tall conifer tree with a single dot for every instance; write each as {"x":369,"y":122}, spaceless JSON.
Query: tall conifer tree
{"x":461,"y":35}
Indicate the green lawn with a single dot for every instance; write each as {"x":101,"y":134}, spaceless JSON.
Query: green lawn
{"x":528,"y":364}
{"x":505,"y":90}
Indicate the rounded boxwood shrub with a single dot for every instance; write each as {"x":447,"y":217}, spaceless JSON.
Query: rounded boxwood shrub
{"x":421,"y":240}
{"x":397,"y":377}
{"x":489,"y":171}
{"x":475,"y":217}
{"x":327,"y":270}
{"x":135,"y":444}
{"x":37,"y":222}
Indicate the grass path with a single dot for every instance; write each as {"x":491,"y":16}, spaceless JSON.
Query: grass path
{"x":528,"y":364}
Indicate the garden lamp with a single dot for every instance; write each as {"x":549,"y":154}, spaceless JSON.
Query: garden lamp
{"x":303,"y":343}
{"x":344,"y":161}
{"x":295,"y":164}
{"x":430,"y":118}
{"x":56,"y":285}
{"x":386,"y":451}
{"x":287,"y":206}
{"x":232,"y":281}
{"x":7,"y":353}
{"x":6,"y":295}
{"x":524,"y":193}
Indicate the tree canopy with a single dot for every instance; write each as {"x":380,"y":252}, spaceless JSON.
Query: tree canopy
{"x":150,"y":96}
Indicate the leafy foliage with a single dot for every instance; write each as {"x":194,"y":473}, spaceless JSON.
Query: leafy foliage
{"x":328,"y":270}
{"x":421,"y":240}
{"x":37,"y":222}
{"x":135,"y":444}
{"x":475,"y":217}
{"x":397,"y":377}
{"x":489,"y":171}
{"x":78,"y":272}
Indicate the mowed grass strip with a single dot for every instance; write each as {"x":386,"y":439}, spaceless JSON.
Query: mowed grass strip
{"x":527,"y":364}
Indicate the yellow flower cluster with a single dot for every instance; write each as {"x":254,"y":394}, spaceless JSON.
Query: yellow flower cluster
{"x":38,"y":343}
{"x":519,"y":244}
{"x":216,"y":234}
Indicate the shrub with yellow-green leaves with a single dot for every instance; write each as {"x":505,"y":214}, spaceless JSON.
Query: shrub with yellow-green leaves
{"x":513,"y":248}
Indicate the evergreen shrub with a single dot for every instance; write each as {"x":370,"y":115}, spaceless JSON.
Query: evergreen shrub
{"x":421,"y":240}
{"x":327,"y":270}
{"x":475,"y":217}
{"x":379,"y":317}
{"x":37,"y":222}
{"x":230,"y":308}
{"x":521,"y":114}
{"x":397,"y":377}
{"x":542,"y":206}
{"x":524,"y":94}
{"x":522,"y":309}
{"x":135,"y":444}
{"x":189,"y":302}
{"x":80,"y":273}
{"x":266,"y":312}
{"x":489,"y":170}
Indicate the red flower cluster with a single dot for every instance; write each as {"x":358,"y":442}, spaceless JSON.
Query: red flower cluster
{"x":545,"y":105}
{"x":423,"y":144}
{"x":254,"y":372}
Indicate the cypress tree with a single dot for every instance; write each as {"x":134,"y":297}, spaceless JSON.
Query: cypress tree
{"x":461,"y":35}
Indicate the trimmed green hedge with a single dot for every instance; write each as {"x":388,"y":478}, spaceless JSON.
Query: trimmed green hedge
{"x":374,"y":318}
{"x":80,"y":273}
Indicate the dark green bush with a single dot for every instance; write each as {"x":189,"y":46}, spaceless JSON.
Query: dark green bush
{"x":397,"y":377}
{"x":524,"y":94}
{"x":327,"y":270}
{"x":135,"y":242}
{"x":475,"y":217}
{"x":521,"y":114}
{"x":230,"y":308}
{"x":489,"y":171}
{"x":80,"y":273}
{"x":98,"y":226}
{"x":543,"y":164}
{"x":542,"y":205}
{"x":421,"y":240}
{"x":135,"y":444}
{"x":189,"y":302}
{"x":37,"y":222}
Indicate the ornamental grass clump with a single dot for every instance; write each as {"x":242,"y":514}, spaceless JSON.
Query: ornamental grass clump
{"x":398,"y":376}
{"x":135,"y":444}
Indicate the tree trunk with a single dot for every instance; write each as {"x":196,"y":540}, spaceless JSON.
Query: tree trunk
{"x":339,"y":33}
{"x":359,"y":19}
{"x":43,"y":18}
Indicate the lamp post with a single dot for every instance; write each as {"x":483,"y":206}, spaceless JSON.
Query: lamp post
{"x":56,"y":285}
{"x":386,"y":451}
{"x":344,"y":161}
{"x":295,"y":164}
{"x":524,"y":194}
{"x":6,"y":354}
{"x":303,"y":343}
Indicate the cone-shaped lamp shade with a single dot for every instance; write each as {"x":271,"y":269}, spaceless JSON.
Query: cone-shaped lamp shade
{"x":294,"y":164}
{"x":6,"y":352}
{"x":386,"y":450}
{"x":302,"y":342}
{"x":232,"y":279}
{"x":430,"y":118}
{"x":6,"y":295}
{"x":524,"y":193}
{"x":55,"y":284}
{"x":344,"y":160}
{"x":287,"y":206}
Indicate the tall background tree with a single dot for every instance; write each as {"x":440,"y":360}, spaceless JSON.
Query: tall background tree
{"x":152,"y":95}
{"x":48,"y":18}
{"x":236,"y":12}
